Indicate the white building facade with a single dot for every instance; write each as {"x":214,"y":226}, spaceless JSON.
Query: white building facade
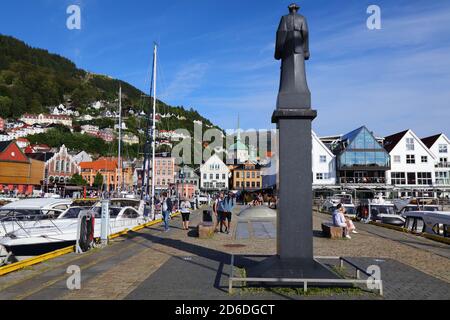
{"x":439,"y":145}
{"x":214,"y":175}
{"x":323,"y":163}
{"x":47,"y":119}
{"x":412,"y":163}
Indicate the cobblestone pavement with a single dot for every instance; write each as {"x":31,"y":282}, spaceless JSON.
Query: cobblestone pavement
{"x":152,"y":264}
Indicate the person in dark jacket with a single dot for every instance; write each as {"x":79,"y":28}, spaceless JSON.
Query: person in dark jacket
{"x":167,"y":207}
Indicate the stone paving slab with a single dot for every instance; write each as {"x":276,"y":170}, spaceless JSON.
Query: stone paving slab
{"x":145,"y":262}
{"x":402,"y":282}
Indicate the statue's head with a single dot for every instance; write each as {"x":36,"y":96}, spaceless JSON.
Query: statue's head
{"x":293,"y":8}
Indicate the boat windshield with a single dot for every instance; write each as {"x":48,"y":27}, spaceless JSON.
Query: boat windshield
{"x":350,"y":210}
{"x":21,"y":215}
{"x":383,"y":210}
{"x":420,"y":208}
{"x":125,"y":203}
{"x":431,"y":208}
{"x":114,"y":212}
{"x":73,"y":213}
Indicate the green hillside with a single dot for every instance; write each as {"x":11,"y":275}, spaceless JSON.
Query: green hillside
{"x":33,"y":79}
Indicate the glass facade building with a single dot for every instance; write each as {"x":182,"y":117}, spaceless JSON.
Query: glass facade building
{"x":361,"y":158}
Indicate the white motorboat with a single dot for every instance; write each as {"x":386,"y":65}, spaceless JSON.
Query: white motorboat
{"x":31,"y":238}
{"x":436,"y":223}
{"x":379,"y":210}
{"x":17,"y":214}
{"x":345,"y":199}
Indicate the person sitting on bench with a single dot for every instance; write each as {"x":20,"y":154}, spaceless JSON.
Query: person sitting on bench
{"x":339,"y":221}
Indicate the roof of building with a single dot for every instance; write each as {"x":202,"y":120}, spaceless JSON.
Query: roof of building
{"x":430,"y":141}
{"x":100,"y":164}
{"x":238,"y":146}
{"x":391,"y":141}
{"x":243,"y":166}
{"x":41,"y":156}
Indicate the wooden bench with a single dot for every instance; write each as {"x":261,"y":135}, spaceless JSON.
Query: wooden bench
{"x":205,"y":230}
{"x":330,"y":231}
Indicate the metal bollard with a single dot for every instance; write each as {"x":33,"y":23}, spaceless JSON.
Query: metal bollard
{"x":104,"y":236}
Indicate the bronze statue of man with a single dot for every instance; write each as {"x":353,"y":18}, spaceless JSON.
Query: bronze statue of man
{"x":292,"y":48}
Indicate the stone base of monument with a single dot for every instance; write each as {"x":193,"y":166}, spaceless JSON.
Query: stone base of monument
{"x":290,"y":268}
{"x":205,"y":230}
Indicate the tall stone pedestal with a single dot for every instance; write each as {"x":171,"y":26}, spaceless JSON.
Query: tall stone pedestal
{"x":295,"y":257}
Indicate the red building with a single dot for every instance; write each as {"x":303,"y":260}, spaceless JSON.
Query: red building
{"x":18,"y":173}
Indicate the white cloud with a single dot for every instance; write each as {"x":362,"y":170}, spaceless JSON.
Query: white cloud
{"x":186,"y":81}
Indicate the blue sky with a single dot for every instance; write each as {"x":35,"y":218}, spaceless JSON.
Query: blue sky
{"x":217,"y":56}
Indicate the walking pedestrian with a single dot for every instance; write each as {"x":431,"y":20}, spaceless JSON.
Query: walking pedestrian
{"x":185,"y":207}
{"x":166,"y":210}
{"x":216,"y":213}
{"x":221,"y":211}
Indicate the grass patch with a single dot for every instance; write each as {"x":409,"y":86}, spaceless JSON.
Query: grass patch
{"x":352,"y":291}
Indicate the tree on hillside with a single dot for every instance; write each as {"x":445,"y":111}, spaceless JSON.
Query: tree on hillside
{"x":5,"y":106}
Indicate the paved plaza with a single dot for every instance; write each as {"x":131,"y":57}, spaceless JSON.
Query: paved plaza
{"x":153,"y":265}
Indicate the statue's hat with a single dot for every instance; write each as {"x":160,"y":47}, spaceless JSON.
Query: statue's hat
{"x":293,"y":6}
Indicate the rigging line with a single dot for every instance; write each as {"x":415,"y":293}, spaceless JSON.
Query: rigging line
{"x":166,"y":109}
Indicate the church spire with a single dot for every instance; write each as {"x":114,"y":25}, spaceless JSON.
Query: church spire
{"x":239,"y":129}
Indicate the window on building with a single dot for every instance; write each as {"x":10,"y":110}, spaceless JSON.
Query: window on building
{"x":323,"y":159}
{"x":319,"y":176}
{"x":217,"y":176}
{"x":211,"y":176}
{"x":411,"y":178}
{"x":443,"y":160}
{"x":424,"y":178}
{"x":258,"y":184}
{"x":410,"y":159}
{"x":248,"y":175}
{"x":253,"y":175}
{"x":398,"y":178}
{"x":410,"y":144}
{"x":224,"y":176}
{"x":237,"y":174}
{"x":253,"y":184}
{"x":443,"y":148}
{"x":397,"y":159}
{"x":424,"y":159}
{"x":205,"y":176}
{"x":248,"y":184}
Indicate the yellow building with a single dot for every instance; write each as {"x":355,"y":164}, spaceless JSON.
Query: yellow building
{"x":247,"y":177}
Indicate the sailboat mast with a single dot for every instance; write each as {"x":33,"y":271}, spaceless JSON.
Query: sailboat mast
{"x":154,"y":127}
{"x":119,"y":188}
